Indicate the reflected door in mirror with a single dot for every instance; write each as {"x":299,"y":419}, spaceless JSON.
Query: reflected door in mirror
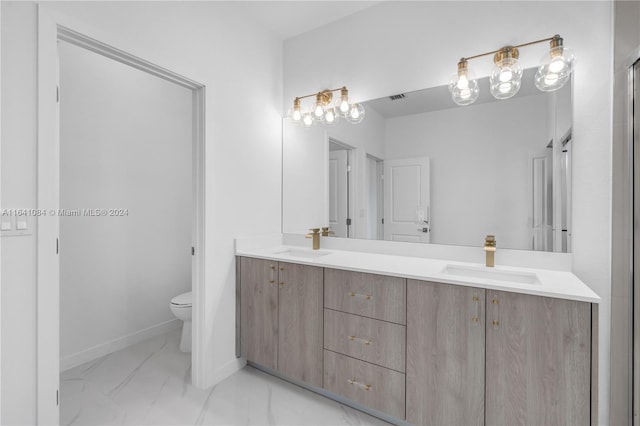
{"x":406,"y":187}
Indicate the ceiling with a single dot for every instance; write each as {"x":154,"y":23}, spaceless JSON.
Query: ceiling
{"x":288,"y":19}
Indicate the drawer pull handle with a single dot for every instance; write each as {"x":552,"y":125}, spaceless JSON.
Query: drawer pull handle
{"x":359,"y":385}
{"x":272,"y":282}
{"x":365,"y":341}
{"x":365,"y":296}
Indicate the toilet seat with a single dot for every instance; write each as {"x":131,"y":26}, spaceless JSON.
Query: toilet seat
{"x":183,"y":300}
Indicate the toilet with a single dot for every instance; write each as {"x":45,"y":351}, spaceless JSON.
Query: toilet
{"x":181,"y":308}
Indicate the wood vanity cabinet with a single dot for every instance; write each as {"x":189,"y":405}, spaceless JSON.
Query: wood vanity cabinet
{"x":427,"y":352}
{"x":445,"y":354}
{"x":365,"y":339}
{"x":281,"y":317}
{"x":479,"y":356}
{"x":538,"y":366}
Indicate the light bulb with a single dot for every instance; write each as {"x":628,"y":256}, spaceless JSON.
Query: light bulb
{"x":556,"y":68}
{"x":331,"y":117}
{"x":307,"y":121}
{"x":557,"y":65}
{"x":356,"y":113}
{"x":295,"y":113}
{"x":463,"y":85}
{"x":342,"y":104}
{"x":505,"y":74}
{"x":318,"y":111}
{"x":506,"y":77}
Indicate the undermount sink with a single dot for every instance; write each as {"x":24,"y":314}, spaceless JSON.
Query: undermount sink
{"x":305,"y":253}
{"x":491,"y":274}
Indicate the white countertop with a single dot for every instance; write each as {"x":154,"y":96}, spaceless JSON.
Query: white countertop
{"x":549,"y":283}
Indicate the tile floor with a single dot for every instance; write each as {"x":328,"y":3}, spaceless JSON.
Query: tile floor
{"x":150,"y":384}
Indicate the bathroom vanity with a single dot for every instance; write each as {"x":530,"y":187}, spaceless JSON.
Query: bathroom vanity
{"x":422,"y":341}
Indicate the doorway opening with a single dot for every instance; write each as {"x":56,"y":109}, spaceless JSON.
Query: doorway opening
{"x":375,"y":198}
{"x":340,"y":189}
{"x":50,"y":192}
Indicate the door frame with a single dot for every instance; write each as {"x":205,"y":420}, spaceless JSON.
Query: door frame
{"x":48,"y":195}
{"x":634,"y":177}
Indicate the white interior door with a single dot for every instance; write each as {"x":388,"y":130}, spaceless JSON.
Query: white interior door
{"x":406,"y":196}
{"x":338,"y":192}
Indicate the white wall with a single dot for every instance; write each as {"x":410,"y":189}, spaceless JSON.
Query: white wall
{"x":477,"y":153}
{"x":125,"y":143}
{"x":397,"y":47}
{"x":305,"y":192}
{"x":18,"y":253}
{"x":214,"y":44}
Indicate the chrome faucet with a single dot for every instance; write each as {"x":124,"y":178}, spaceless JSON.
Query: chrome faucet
{"x":315,"y":234}
{"x":490,"y":249}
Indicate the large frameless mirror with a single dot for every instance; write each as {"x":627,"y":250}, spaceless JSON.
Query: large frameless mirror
{"x":421,"y":169}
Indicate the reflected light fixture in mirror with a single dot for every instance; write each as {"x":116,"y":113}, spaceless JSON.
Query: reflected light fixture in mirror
{"x":506,"y":77}
{"x":323,"y":112}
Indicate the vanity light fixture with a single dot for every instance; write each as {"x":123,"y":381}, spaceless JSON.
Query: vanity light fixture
{"x":322,"y":110}
{"x":506,"y":77}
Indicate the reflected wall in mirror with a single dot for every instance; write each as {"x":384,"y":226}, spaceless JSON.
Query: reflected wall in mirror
{"x":419,"y":168}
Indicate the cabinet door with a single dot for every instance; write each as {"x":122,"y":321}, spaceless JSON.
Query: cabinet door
{"x":259,"y":311}
{"x":445,"y":354}
{"x":538,"y":360}
{"x":300,"y":322}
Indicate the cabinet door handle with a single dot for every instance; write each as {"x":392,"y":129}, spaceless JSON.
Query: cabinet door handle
{"x":476,"y":318}
{"x":496,"y":312}
{"x":358,"y":339}
{"x":281,"y":283}
{"x":359,"y":385}
{"x":362,"y":295}
{"x":272,"y":278}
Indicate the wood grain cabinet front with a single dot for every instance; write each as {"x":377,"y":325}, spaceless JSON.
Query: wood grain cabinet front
{"x":376,"y":387}
{"x":538,"y":360}
{"x":445,"y":354}
{"x":281,"y":317}
{"x":374,"y":296}
{"x":378,"y":342}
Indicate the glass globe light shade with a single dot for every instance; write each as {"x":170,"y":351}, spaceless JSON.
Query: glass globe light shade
{"x":464,"y":88}
{"x":342,"y":104}
{"x":317,"y":113}
{"x":295,"y":115}
{"x":555,"y":70}
{"x":331,"y":117}
{"x":506,"y":78}
{"x":307,"y":120}
{"x":356,"y":113}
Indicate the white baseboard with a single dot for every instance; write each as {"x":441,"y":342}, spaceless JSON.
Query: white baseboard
{"x":106,"y":348}
{"x":223,"y":372}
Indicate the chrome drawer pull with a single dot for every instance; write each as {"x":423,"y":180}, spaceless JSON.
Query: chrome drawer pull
{"x":365,"y":341}
{"x":359,"y":385}
{"x":365,"y":296}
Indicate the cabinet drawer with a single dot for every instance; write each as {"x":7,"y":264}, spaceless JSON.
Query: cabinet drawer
{"x":369,"y":295}
{"x":378,"y":342}
{"x":376,"y":387}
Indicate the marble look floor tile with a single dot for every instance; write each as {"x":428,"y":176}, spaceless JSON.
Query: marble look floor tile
{"x":150,"y":384}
